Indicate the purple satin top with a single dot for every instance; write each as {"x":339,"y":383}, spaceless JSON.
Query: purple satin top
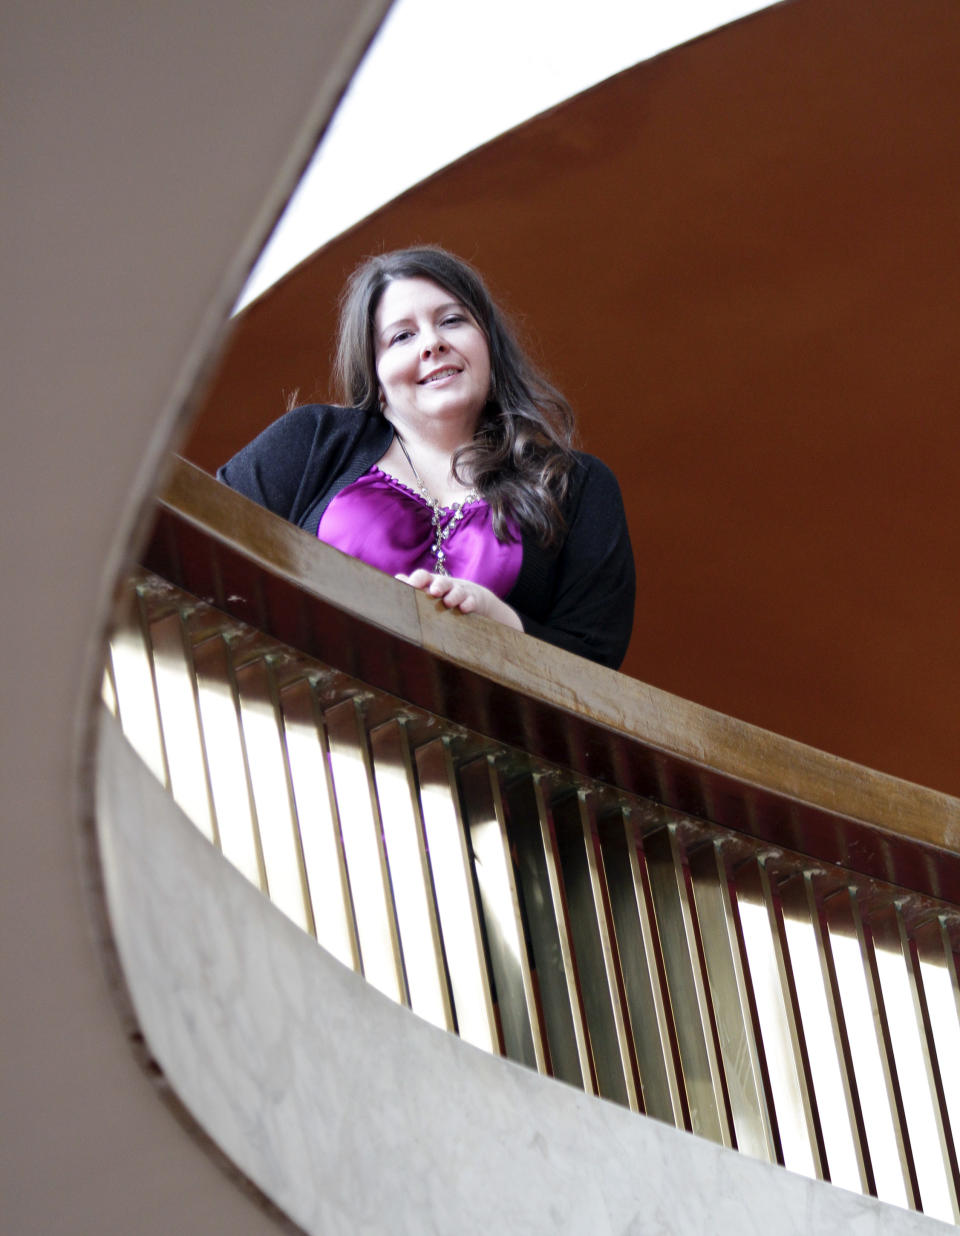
{"x":384,"y":523}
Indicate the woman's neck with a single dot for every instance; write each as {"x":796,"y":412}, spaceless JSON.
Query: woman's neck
{"x":427,"y":459}
{"x":437,"y":435}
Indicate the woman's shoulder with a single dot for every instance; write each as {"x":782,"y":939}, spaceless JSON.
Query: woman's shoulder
{"x":316,"y":426}
{"x":329,"y":417}
{"x":326,"y":412}
{"x":591,"y":464}
{"x":590,"y":472}
{"x":299,"y":441}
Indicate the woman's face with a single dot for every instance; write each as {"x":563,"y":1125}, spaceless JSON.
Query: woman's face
{"x":432,"y":358}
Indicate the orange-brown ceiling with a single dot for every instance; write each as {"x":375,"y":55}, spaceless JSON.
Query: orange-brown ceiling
{"x":740,"y":262}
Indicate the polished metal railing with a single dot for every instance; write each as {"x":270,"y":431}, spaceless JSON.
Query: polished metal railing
{"x":803,"y":1010}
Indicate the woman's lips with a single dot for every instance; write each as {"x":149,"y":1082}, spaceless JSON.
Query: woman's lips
{"x":447,"y":371}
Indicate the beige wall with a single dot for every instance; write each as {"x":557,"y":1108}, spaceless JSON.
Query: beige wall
{"x":145,"y":148}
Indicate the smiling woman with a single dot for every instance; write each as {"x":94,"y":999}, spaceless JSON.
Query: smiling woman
{"x":451,"y":464}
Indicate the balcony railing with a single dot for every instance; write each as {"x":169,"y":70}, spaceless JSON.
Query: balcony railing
{"x":670,"y":909}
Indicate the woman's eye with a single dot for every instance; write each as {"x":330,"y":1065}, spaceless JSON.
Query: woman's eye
{"x":452,"y":319}
{"x":400,"y":336}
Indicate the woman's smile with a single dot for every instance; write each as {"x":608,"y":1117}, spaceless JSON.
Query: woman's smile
{"x":440,"y":375}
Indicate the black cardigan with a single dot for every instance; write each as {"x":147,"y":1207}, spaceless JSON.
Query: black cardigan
{"x":579,"y":596}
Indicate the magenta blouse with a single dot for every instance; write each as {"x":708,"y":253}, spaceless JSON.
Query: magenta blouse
{"x":390,"y":526}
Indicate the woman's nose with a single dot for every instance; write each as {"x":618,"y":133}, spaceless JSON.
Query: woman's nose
{"x":431,"y":346}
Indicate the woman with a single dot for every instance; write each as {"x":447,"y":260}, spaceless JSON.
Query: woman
{"x":452,"y":468}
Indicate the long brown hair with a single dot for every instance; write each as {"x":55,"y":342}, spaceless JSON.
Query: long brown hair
{"x":522,"y":451}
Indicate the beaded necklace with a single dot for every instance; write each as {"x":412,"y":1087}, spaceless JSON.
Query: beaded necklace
{"x":440,"y":534}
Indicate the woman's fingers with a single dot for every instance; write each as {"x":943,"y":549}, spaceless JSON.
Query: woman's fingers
{"x":427,"y":581}
{"x":455,"y":593}
{"x":418,"y":578}
{"x":465,"y":595}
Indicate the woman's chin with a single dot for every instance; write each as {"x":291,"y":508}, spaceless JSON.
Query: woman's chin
{"x":440,"y":405}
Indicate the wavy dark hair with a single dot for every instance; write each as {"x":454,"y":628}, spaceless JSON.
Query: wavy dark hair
{"x":522,"y":451}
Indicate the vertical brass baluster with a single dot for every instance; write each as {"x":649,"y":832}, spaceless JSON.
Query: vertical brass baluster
{"x":644,"y":972}
{"x":696,"y":1032}
{"x":823,"y":1054}
{"x":745,"y":1071}
{"x":907,"y":1053}
{"x":413,"y":894}
{"x":939,"y":955}
{"x":363,"y":848}
{"x":561,"y":916}
{"x":869,"y":1057}
{"x":841,"y":1035}
{"x":791,"y":1003}
{"x":456,"y":902}
{"x":188,"y":620}
{"x":226,"y":760}
{"x":597,"y":967}
{"x":531,"y":831}
{"x":938,"y":959}
{"x":950,"y":958}
{"x":133,"y":674}
{"x":939,"y":1136}
{"x":761,"y":950}
{"x":320,"y":840}
{"x":612,"y":963}
{"x":516,"y":997}
{"x":180,"y":721}
{"x":272,"y":793}
{"x":731,"y":871}
{"x":888,"y":1058}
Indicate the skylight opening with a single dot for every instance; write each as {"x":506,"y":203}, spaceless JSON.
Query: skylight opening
{"x":439,"y":80}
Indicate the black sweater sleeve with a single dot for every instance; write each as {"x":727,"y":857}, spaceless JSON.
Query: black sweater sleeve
{"x":296,"y":465}
{"x":590,"y":607}
{"x":270,"y":469}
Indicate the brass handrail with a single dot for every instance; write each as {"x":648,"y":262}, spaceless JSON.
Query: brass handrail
{"x":526,"y":694}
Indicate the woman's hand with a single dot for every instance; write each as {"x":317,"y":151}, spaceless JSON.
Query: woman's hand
{"x":464,"y":595}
